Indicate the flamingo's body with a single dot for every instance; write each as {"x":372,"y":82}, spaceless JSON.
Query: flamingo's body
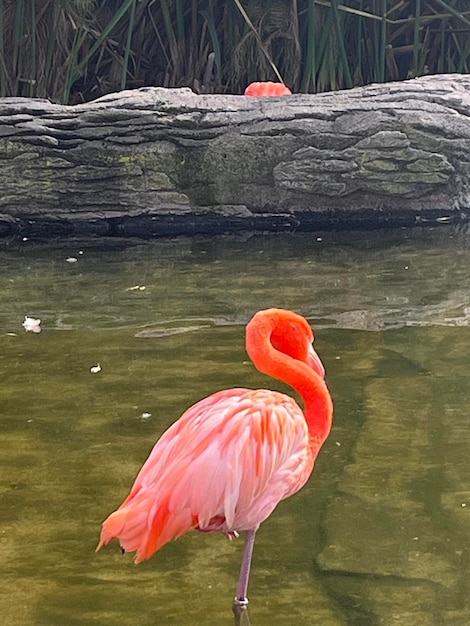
{"x":232,"y":457}
{"x":267,"y":88}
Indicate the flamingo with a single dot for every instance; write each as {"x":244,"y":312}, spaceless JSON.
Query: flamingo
{"x":267,"y":88}
{"x":232,"y":457}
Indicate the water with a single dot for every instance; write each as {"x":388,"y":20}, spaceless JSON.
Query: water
{"x":380,"y":533}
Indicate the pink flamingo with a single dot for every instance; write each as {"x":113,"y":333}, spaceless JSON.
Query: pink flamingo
{"x":267,"y":88}
{"x":232,"y":457}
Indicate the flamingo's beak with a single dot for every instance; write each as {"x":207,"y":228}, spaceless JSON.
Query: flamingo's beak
{"x":315,"y":363}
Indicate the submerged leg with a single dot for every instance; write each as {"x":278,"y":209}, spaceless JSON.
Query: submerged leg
{"x":241,"y":600}
{"x":241,"y":615}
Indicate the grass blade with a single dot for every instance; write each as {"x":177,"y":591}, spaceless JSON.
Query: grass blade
{"x":340,"y":43}
{"x":127,"y":50}
{"x":3,"y":76}
{"x":260,"y":42}
{"x":416,"y":43}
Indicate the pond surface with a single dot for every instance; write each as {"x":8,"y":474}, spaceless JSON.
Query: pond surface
{"x":380,"y":533}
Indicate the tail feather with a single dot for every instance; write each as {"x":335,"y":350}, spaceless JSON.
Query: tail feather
{"x":143,"y":528}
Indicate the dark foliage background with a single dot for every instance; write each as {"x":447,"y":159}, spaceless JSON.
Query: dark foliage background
{"x":76,"y":50}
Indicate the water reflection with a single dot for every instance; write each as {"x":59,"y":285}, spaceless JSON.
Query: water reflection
{"x":242,"y":617}
{"x":378,"y":536}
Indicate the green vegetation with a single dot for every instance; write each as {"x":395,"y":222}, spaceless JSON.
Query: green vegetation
{"x":77,"y":50}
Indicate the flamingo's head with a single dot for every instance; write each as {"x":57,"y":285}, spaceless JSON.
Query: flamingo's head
{"x":292,"y":335}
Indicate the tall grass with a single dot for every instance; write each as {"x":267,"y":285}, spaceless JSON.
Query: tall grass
{"x":76,"y":50}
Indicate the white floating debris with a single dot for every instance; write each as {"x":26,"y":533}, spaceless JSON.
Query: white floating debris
{"x":136,"y":288}
{"x":145,"y":416}
{"x":95,"y":369}
{"x":31,"y":324}
{"x":71,"y":259}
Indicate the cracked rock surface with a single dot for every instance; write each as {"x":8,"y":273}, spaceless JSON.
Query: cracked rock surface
{"x":157,"y":161}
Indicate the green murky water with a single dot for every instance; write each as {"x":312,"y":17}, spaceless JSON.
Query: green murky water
{"x":380,"y":533}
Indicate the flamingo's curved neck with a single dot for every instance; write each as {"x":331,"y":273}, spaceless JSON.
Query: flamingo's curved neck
{"x":318,"y":406}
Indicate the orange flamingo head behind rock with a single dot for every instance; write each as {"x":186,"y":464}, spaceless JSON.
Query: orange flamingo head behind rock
{"x":267,"y":89}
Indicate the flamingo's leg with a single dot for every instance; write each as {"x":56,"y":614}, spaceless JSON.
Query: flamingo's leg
{"x":241,"y":599}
